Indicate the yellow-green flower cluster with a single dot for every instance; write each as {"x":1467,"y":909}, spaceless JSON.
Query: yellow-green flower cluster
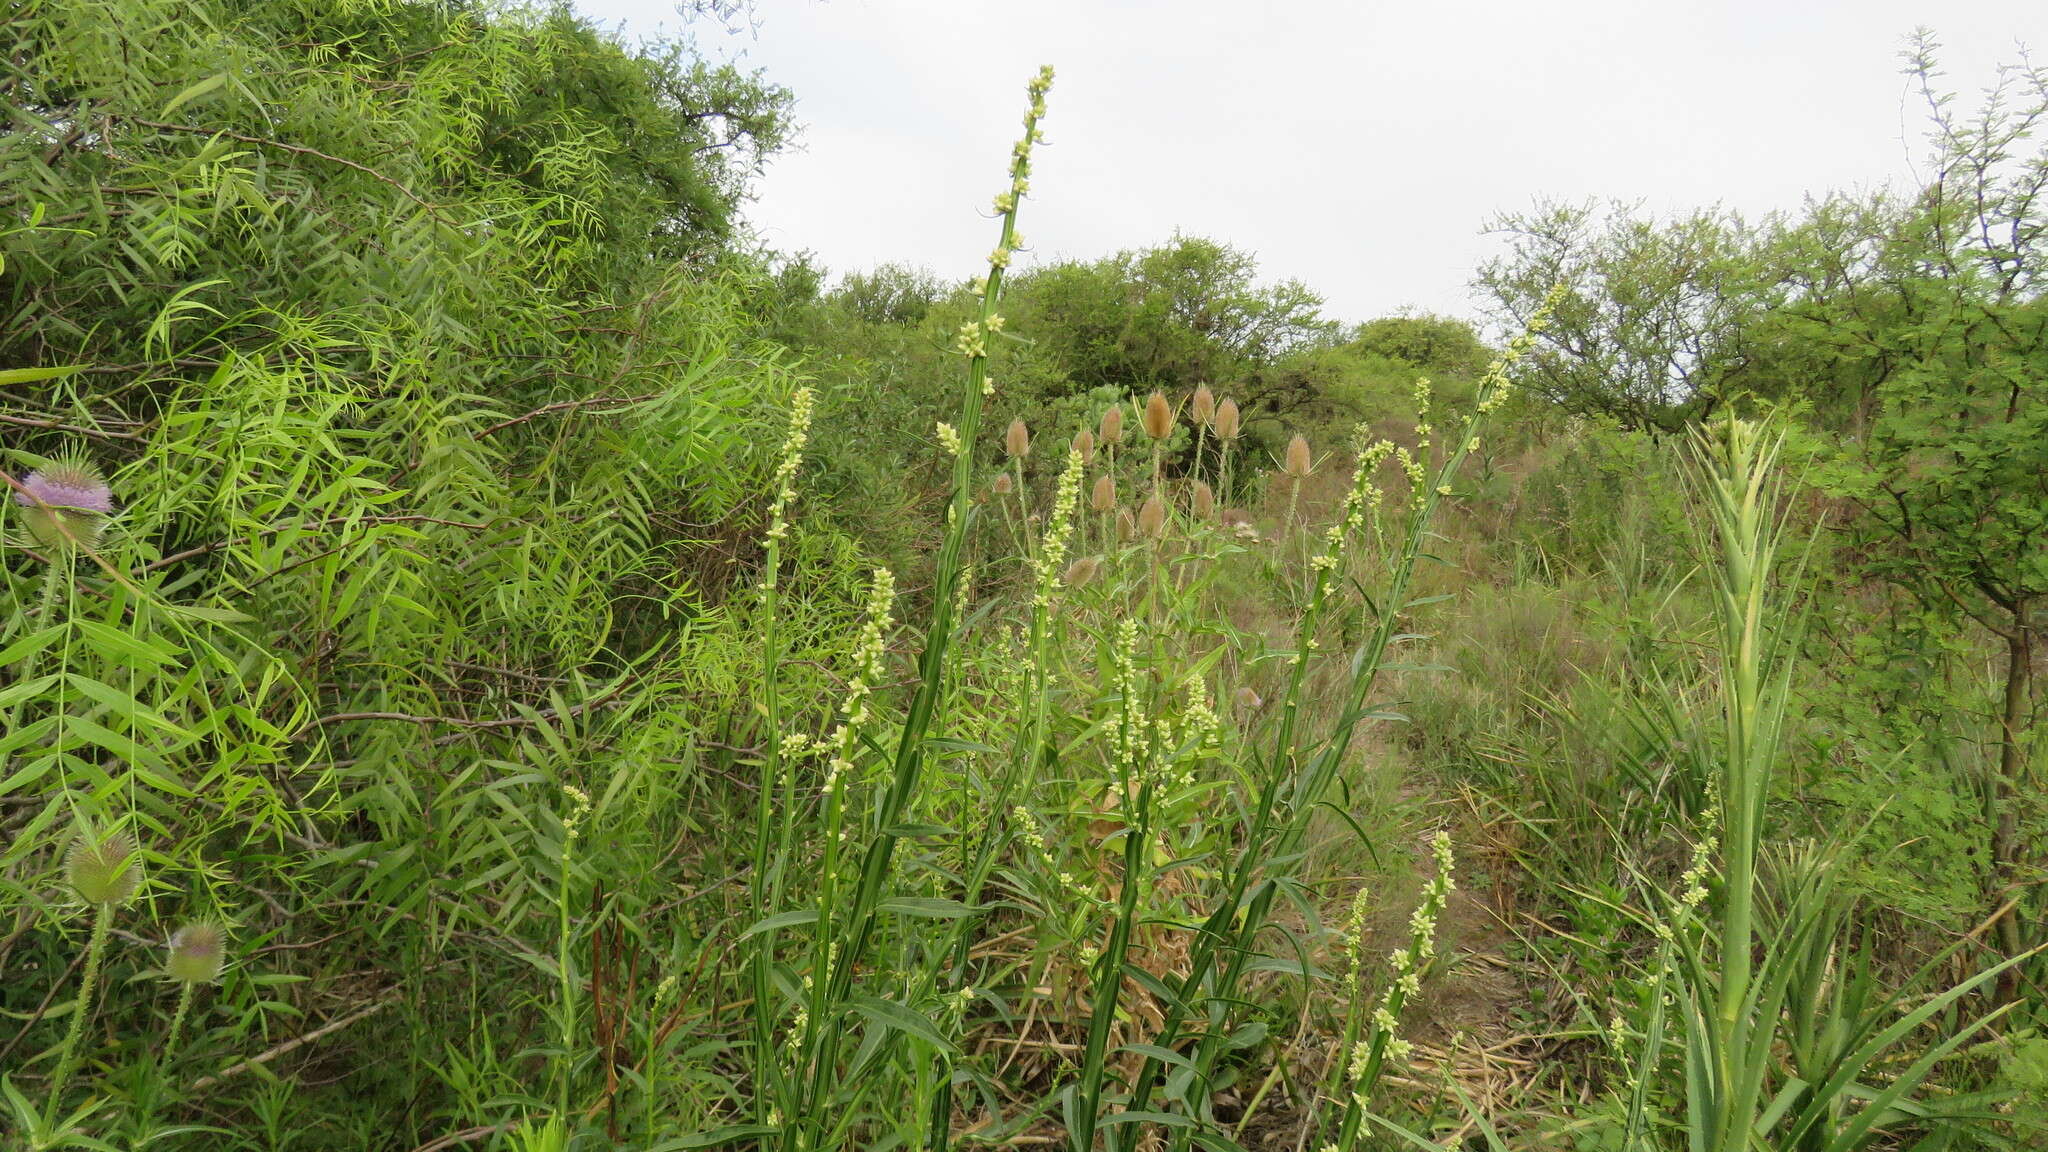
{"x":1124,"y":682}
{"x":1494,"y":385}
{"x":869,"y":651}
{"x":1203,"y":725}
{"x":1409,"y":962}
{"x":1361,"y":500}
{"x":1052,"y":551}
{"x":949,"y":438}
{"x":785,"y":475}
{"x":579,"y":811}
{"x":972,"y":340}
{"x":969,"y":342}
{"x":1027,"y":830}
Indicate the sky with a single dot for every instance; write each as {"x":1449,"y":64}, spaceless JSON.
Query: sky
{"x":1361,"y":148}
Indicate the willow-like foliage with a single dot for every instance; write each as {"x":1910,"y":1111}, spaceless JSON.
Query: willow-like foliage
{"x":412,"y":341}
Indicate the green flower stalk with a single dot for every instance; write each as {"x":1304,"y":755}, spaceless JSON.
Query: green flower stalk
{"x":104,"y":872}
{"x":196,"y":954}
{"x":771,"y":844}
{"x":1361,"y":1061}
{"x":572,"y":829}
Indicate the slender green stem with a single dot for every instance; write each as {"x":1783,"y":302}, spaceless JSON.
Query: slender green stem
{"x":186,"y":992}
{"x":88,"y":998}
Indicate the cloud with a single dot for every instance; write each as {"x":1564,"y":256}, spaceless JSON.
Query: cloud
{"x":1358,"y":147}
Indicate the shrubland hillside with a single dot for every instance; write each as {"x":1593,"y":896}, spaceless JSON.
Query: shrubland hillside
{"x":493,"y":659}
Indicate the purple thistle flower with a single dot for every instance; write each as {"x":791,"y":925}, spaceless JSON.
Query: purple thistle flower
{"x":62,"y":504}
{"x":67,"y":486}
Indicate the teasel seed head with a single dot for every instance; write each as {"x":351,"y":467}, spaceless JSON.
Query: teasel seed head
{"x":1084,"y":443}
{"x":1017,"y":440}
{"x":1103,"y":498}
{"x":1248,"y":699}
{"x":1227,"y":420}
{"x":1002,"y":486}
{"x":103,"y":869}
{"x":1125,"y":526}
{"x":1298,"y":464}
{"x":1158,"y":416}
{"x":1111,"y":430}
{"x":197,"y":952}
{"x":1152,"y":516}
{"x":1081,"y":571}
{"x":1205,"y":500}
{"x":1204,"y":405}
{"x":63,"y":505}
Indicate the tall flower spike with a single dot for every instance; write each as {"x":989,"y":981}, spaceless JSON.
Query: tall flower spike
{"x":1158,"y":416}
{"x":63,"y":505}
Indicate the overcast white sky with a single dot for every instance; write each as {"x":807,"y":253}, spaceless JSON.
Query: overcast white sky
{"x":1358,"y":147}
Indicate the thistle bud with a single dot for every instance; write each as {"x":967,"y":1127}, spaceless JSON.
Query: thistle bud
{"x":1017,"y":440}
{"x":1084,"y":443}
{"x":1227,"y":420}
{"x":1158,"y":417}
{"x":196,"y":953}
{"x":1152,"y":516}
{"x":1002,"y":485}
{"x":102,"y":870}
{"x":1104,"y":496}
{"x":1298,"y":464}
{"x":1081,"y":571}
{"x":1204,"y":405}
{"x":63,"y":505}
{"x":1205,"y":500}
{"x":1111,"y":430}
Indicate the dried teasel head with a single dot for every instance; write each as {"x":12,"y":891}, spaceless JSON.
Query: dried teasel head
{"x":1227,"y":420}
{"x":1103,"y":498}
{"x":1152,"y":516}
{"x":102,"y":869}
{"x":1081,"y":571}
{"x":1017,"y":439}
{"x":1298,"y":463}
{"x":1204,"y":405}
{"x":1204,"y":500}
{"x":1158,"y":418}
{"x":1084,"y":443}
{"x":1111,"y":430}
{"x":1125,"y":526}
{"x":64,"y":504}
{"x":197,"y":952}
{"x":1002,"y":486}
